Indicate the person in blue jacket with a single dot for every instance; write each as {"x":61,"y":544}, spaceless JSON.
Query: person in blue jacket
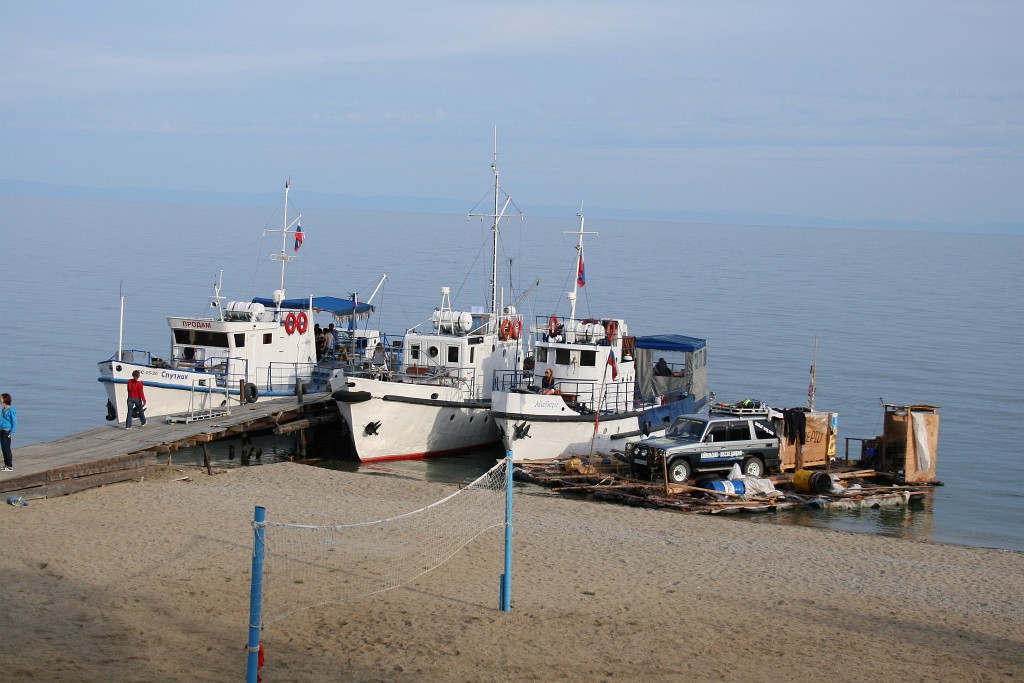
{"x":8,"y":423}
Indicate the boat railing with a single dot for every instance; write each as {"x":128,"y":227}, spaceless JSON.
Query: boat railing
{"x":613,"y":396}
{"x":574,"y":330}
{"x":136,"y":356}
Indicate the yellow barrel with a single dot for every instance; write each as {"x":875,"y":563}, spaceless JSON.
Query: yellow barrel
{"x":809,"y":481}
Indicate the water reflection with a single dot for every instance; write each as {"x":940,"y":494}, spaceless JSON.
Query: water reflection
{"x":910,"y":522}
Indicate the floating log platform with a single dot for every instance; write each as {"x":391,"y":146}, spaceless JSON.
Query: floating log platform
{"x":607,"y":480}
{"x":111,"y":453}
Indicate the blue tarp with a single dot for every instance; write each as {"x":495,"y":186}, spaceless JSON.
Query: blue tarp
{"x":670,"y":342}
{"x":331,"y":304}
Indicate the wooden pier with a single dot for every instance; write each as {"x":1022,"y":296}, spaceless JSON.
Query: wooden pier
{"x":110,"y":453}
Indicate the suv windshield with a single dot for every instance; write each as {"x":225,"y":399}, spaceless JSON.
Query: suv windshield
{"x":687,"y":428}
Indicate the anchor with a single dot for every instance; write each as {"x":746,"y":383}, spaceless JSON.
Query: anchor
{"x":371,"y":428}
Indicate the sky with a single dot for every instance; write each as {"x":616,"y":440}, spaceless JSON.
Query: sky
{"x":893,"y":112}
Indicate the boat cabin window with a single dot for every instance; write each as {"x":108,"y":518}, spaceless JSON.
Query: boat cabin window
{"x":268,"y":338}
{"x":432,"y":352}
{"x":201,"y":338}
{"x":471,"y":354}
{"x":414,"y":351}
{"x":453,"y":354}
{"x":240,"y":340}
{"x":542,"y":355}
{"x":562,"y":357}
{"x":588,"y":358}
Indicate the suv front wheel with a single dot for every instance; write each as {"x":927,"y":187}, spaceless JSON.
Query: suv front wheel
{"x":678,"y":471}
{"x":753,"y":467}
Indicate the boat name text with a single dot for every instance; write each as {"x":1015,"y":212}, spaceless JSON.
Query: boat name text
{"x":201,"y":324}
{"x":173,"y":375}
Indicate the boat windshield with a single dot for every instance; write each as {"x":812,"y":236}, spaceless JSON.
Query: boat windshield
{"x":687,"y":428}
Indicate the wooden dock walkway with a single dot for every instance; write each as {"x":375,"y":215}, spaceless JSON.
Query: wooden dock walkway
{"x":110,"y":453}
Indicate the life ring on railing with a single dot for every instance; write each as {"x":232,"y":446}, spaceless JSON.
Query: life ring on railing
{"x":506,"y":329}
{"x":553,"y":325}
{"x":251,"y":394}
{"x":301,"y":323}
{"x":289,"y":323}
{"x":611,"y":330}
{"x":517,"y":328}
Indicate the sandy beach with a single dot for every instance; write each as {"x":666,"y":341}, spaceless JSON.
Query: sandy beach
{"x":149,"y":581}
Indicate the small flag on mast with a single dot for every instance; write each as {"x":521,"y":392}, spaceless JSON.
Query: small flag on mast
{"x":298,"y":236}
{"x":581,"y":273}
{"x":611,"y":362}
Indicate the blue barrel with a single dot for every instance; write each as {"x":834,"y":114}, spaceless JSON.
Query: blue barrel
{"x":729,"y":486}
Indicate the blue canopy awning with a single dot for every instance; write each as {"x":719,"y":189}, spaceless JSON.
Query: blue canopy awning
{"x":342,"y":308}
{"x":670,"y":342}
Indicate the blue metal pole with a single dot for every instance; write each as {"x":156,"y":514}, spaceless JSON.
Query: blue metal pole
{"x":506,"y":578}
{"x":256,"y":594}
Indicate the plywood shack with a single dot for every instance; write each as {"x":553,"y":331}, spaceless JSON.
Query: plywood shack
{"x":909,"y":442}
{"x":815,"y":449}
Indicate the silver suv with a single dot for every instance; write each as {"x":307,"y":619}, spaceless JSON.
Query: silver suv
{"x":706,"y":443}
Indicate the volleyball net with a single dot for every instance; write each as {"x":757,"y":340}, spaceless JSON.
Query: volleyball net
{"x":297,"y":567}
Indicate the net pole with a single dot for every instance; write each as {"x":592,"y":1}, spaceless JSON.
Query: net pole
{"x":506,"y":578}
{"x":256,"y":594}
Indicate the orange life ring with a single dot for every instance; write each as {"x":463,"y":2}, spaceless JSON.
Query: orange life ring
{"x":553,"y":325}
{"x":301,"y":323}
{"x":289,"y":323}
{"x":611,"y":330}
{"x":517,"y":328}
{"x":506,"y":329}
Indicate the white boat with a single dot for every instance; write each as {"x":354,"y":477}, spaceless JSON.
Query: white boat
{"x":247,"y":351}
{"x":606,"y":389}
{"x":430,"y":395}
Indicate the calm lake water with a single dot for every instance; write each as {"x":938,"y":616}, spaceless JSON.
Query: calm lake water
{"x":899,"y":317}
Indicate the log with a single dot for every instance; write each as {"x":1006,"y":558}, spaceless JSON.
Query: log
{"x":289,"y":427}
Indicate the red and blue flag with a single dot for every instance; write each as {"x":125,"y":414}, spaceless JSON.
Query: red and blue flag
{"x":581,"y":273}
{"x":298,"y":236}
{"x":611,"y":362}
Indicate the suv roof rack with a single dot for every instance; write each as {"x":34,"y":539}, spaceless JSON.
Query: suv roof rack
{"x":742,"y":408}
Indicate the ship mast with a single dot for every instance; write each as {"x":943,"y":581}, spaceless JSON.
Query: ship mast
{"x":499,"y":213}
{"x":579,"y":257}
{"x":283,"y":256}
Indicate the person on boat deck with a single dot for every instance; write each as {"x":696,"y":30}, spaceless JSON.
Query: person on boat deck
{"x":136,"y":400}
{"x":379,"y":357}
{"x":318,"y":340}
{"x":661,"y":368}
{"x":330,"y":339}
{"x":8,"y":423}
{"x":547,"y":385}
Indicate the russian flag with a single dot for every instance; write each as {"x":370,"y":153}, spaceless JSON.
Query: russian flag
{"x":581,"y":273}
{"x":611,"y":362}
{"x":298,"y":236}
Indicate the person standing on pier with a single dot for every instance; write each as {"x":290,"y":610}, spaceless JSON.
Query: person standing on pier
{"x":8,"y":423}
{"x":136,"y":400}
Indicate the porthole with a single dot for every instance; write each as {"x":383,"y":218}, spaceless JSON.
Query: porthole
{"x":451,"y":418}
{"x":433,"y":397}
{"x":432,"y":351}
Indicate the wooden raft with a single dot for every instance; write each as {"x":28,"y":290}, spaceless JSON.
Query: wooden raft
{"x":608,"y":480}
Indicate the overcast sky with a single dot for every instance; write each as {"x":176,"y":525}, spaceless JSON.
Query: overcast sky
{"x":886,"y":111}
